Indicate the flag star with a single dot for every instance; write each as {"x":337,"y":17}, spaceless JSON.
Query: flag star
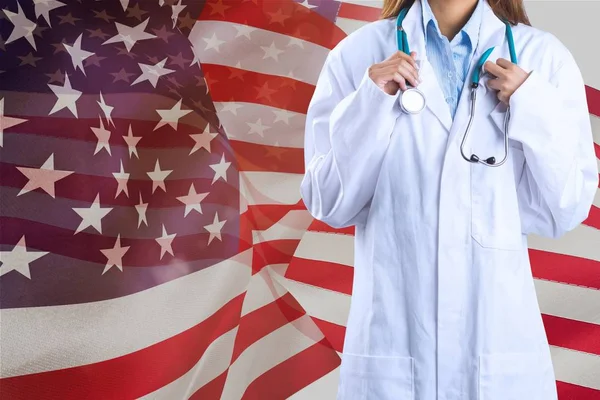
{"x":283,"y":115}
{"x":171,"y":117}
{"x":136,"y":12}
{"x":141,"y":210}
{"x":106,"y":109}
{"x":220,"y":169}
{"x":42,"y":178}
{"x":151,"y":73}
{"x":271,"y":52}
{"x":158,"y":177}
{"x":23,"y":28}
{"x":67,"y":97}
{"x":43,"y":8}
{"x":217,"y":7}
{"x":132,"y":141}
{"x":231,"y":107}
{"x":257,"y":127}
{"x":115,"y":255}
{"x":122,"y":75}
{"x":166,"y":242}
{"x":278,"y":17}
{"x":243,"y":30}
{"x":130,"y":35}
{"x":203,"y":139}
{"x":307,"y":5}
{"x":163,"y":33}
{"x":213,"y":42}
{"x":214,"y":229}
{"x":92,"y":216}
{"x":103,"y":136}
{"x":77,"y":54}
{"x":122,"y":178}
{"x":192,"y":201}
{"x":294,"y":41}
{"x":18,"y":259}
{"x":103,"y":15}
{"x":265,"y":91}
{"x":124,"y":4}
{"x":68,"y":19}
{"x":177,"y":9}
{"x":7,"y":122}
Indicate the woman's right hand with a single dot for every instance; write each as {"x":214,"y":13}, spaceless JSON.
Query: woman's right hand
{"x":395,"y":72}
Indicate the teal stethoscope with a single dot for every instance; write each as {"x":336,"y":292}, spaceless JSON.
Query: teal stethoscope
{"x":412,"y":100}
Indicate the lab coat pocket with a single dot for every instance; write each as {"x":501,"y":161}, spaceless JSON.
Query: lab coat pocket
{"x":515,"y":376}
{"x":376,"y":378}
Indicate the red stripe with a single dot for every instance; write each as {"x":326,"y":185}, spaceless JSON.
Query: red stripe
{"x":571,"y":334}
{"x":295,"y":373}
{"x":273,"y":252}
{"x":320,"y":226}
{"x":212,"y":390}
{"x":86,"y":246}
{"x":132,"y":375}
{"x":334,"y":333}
{"x":260,"y":157}
{"x":565,"y":269}
{"x":262,"y":217}
{"x":568,"y":391}
{"x":593,"y":98}
{"x":593,"y":218}
{"x":358,"y":12}
{"x":297,"y":21}
{"x":265,"y":320}
{"x":269,"y":90}
{"x":327,"y":275}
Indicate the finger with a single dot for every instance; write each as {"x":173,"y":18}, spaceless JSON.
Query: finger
{"x":406,"y":71}
{"x":503,"y":97}
{"x":413,"y":54}
{"x":399,"y":79}
{"x":494,"y":69}
{"x":504,"y":63}
{"x":494,"y":84}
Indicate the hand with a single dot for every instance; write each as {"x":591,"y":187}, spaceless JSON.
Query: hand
{"x":509,"y":77}
{"x":393,"y":73}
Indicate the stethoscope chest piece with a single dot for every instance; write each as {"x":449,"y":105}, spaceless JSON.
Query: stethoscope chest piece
{"x":412,"y":101}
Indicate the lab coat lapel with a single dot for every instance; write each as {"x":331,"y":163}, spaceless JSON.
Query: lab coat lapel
{"x":492,"y":34}
{"x":413,"y":25}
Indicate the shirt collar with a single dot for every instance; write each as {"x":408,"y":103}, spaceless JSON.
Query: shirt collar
{"x":471,"y":28}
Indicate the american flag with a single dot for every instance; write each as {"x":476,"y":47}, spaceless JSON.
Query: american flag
{"x":153,"y":241}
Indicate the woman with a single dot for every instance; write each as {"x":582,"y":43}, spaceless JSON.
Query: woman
{"x":444,"y":306}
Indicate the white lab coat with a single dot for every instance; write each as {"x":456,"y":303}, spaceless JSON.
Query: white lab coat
{"x":444,"y":306}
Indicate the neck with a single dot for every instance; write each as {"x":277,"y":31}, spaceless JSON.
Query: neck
{"x":452,"y":15}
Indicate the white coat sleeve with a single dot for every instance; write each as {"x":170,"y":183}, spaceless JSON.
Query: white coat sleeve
{"x":552,"y":122}
{"x":347,"y":134}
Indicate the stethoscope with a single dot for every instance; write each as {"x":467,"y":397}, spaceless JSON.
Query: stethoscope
{"x":412,"y":100}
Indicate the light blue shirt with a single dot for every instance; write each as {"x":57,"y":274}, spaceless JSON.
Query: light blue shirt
{"x":451,"y":60}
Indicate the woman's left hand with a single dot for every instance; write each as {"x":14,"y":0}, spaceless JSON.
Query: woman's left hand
{"x":509,"y":77}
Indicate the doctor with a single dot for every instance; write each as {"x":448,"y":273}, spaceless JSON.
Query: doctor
{"x":444,"y":306}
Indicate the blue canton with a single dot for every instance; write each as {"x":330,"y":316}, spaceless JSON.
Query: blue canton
{"x":451,"y":59}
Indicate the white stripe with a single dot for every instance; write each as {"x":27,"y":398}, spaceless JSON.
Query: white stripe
{"x":367,"y":3}
{"x":576,"y":367}
{"x":282,"y":127}
{"x":259,"y":50}
{"x":568,"y":301}
{"x":324,"y":246}
{"x":267,"y":353}
{"x":596,"y":133}
{"x":580,"y":242}
{"x":349,"y":25}
{"x":270,"y":187}
{"x":40,"y":339}
{"x":213,"y":363}
{"x":262,"y":290}
{"x":323,"y":388}
{"x":293,"y":225}
{"x":324,"y":304}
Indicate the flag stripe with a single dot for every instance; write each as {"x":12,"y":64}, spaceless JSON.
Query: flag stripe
{"x":568,"y":301}
{"x":577,"y":368}
{"x":566,"y":269}
{"x":560,"y":333}
{"x":270,"y":187}
{"x":304,"y":25}
{"x":130,"y":376}
{"x":323,"y":274}
{"x":77,"y":328}
{"x":260,"y":157}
